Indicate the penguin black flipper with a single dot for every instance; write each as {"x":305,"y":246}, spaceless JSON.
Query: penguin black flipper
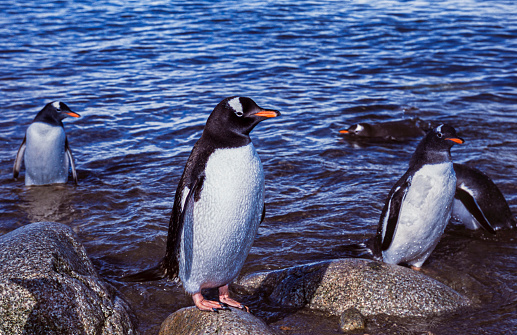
{"x":177,"y":225}
{"x":71,"y":159}
{"x":394,"y":207}
{"x":473,"y":207}
{"x":263,"y":213}
{"x":19,"y":159}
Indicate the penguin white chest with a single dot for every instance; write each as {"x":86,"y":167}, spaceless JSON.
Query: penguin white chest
{"x":424,"y":213}
{"x":217,"y":240}
{"x":45,"y":158}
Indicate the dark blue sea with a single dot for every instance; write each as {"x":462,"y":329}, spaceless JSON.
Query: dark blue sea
{"x":144,"y":75}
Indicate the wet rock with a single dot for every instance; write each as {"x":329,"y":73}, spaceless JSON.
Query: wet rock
{"x":191,"y":320}
{"x":370,"y":286}
{"x":48,"y":286}
{"x":351,"y":320}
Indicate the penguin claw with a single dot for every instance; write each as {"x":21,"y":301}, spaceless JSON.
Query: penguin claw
{"x":225,"y":307}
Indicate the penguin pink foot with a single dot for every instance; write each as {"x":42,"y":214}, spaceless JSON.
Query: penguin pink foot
{"x":205,"y":305}
{"x":224,"y":298}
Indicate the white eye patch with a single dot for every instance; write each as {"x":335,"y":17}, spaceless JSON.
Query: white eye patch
{"x":235,"y":103}
{"x":56,"y":105}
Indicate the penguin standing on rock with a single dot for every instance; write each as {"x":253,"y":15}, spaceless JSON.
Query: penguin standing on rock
{"x":419,"y":205}
{"x":218,"y":206}
{"x":45,"y":148}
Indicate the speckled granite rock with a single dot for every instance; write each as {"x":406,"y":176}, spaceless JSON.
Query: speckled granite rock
{"x":370,"y":286}
{"x":351,"y":320}
{"x":192,"y":321}
{"x":49,"y":286}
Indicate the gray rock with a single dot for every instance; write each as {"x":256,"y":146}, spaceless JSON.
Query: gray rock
{"x":48,"y":286}
{"x":370,"y":286}
{"x":351,"y":320}
{"x":192,"y":321}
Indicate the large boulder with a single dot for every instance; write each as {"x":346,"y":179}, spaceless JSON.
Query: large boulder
{"x":369,"y":286}
{"x":192,"y":321}
{"x":48,"y":286}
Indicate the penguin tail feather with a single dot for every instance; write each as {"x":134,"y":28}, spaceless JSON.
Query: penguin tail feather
{"x":155,"y":273}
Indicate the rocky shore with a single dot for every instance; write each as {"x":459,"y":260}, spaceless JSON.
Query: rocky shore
{"x":49,"y":285}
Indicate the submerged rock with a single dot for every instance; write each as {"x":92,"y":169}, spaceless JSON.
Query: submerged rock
{"x":192,"y":321}
{"x":370,"y":286}
{"x":351,"y":320}
{"x":48,"y":286}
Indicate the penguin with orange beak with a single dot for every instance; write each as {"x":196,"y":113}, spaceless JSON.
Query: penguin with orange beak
{"x":45,"y":149}
{"x":218,"y":206}
{"x":419,"y":205}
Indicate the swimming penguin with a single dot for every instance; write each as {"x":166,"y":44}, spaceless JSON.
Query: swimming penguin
{"x":391,"y":130}
{"x":419,"y":205}
{"x":479,"y":202}
{"x":218,"y":206}
{"x":45,"y":149}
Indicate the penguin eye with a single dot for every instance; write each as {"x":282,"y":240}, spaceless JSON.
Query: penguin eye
{"x":439,"y":134}
{"x":239,"y":113}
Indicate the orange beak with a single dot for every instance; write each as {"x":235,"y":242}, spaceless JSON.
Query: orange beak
{"x":456,"y":140}
{"x":72,"y":114}
{"x":343,"y":131}
{"x":268,"y":113}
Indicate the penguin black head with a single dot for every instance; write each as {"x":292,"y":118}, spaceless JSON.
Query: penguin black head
{"x":360,"y":129}
{"x":234,"y":118}
{"x":443,"y":136}
{"x":436,"y":146}
{"x":54,"y":112}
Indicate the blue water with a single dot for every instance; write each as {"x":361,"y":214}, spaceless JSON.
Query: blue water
{"x":144,"y":75}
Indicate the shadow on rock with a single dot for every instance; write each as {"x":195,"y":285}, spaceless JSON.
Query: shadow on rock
{"x":276,"y":294}
{"x":335,"y":286}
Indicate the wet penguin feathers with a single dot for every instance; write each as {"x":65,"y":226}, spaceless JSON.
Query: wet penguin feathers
{"x":419,"y":204}
{"x":227,"y":127}
{"x":479,"y":202}
{"x":45,"y":148}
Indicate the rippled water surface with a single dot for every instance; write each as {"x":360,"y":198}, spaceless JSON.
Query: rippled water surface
{"x":145,"y":75}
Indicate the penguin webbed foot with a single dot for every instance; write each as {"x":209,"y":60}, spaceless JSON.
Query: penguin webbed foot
{"x":207,"y":305}
{"x":224,"y":298}
{"x":225,"y":306}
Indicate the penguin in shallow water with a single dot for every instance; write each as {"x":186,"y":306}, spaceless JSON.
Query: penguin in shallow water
{"x":419,"y":205}
{"x":45,"y":149}
{"x":479,"y":202}
{"x":391,"y":130}
{"x":218,"y":206}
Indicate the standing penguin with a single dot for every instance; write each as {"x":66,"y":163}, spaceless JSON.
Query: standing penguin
{"x":218,"y":206}
{"x":479,"y":202}
{"x":45,"y":148}
{"x":419,"y":206}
